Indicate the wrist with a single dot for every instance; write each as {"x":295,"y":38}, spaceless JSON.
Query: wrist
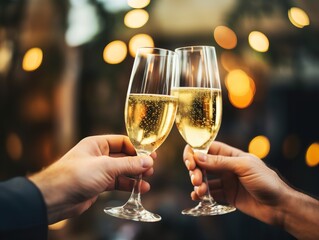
{"x":52,"y":198}
{"x":301,"y":215}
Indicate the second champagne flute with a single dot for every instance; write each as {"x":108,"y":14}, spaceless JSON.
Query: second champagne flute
{"x":149,"y":116}
{"x":199,"y":113}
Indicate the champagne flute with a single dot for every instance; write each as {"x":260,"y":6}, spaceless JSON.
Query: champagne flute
{"x":150,"y":111}
{"x":199,"y":112}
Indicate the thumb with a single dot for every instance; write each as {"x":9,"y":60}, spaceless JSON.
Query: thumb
{"x":220,"y":162}
{"x":131,"y":165}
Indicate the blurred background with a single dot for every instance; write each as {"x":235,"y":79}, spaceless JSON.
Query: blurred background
{"x":64,"y":71}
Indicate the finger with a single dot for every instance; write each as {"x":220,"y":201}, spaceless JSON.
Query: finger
{"x":124,"y":183}
{"x":237,"y":165}
{"x":188,"y":158}
{"x":201,"y":189}
{"x":196,"y":177}
{"x":148,"y":172}
{"x":194,"y":196}
{"x":219,"y":148}
{"x":116,"y":155}
{"x":153,"y":155}
{"x":110,"y":144}
{"x":128,"y":165}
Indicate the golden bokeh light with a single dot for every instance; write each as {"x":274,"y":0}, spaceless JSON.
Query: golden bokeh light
{"x":32,"y":59}
{"x":259,"y":146}
{"x":298,"y":17}
{"x":241,"y":101}
{"x":59,"y":225}
{"x":14,"y":146}
{"x":312,"y":155}
{"x":138,"y":3}
{"x":136,"y":18}
{"x":225,"y":37}
{"x":241,"y":88}
{"x":115,"y":52}
{"x":258,"y":41}
{"x":237,"y":82}
{"x":140,"y":40}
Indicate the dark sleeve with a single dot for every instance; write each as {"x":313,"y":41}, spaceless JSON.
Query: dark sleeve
{"x":23,"y":214}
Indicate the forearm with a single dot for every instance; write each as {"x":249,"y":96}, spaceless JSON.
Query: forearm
{"x":301,"y":216}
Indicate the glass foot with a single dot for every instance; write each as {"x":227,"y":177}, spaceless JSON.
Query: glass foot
{"x":140,"y":214}
{"x":204,"y":209}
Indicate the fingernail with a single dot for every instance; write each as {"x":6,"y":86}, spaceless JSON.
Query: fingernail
{"x":187,"y":163}
{"x":192,"y":178}
{"x":146,"y":162}
{"x":201,"y":156}
{"x":196,"y":189}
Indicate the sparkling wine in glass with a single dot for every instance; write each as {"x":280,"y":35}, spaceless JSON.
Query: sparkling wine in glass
{"x":199,"y":113}
{"x":150,"y":111}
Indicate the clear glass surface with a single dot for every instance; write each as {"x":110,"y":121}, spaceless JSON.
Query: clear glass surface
{"x":199,"y":113}
{"x":150,"y":111}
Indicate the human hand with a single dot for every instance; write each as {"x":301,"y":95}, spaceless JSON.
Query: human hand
{"x":243,"y":181}
{"x":96,"y":164}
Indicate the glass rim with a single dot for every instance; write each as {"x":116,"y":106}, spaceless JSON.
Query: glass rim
{"x":165,"y":50}
{"x":194,"y":47}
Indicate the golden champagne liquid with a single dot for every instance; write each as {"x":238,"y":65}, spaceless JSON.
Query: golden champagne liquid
{"x":199,"y":115}
{"x":149,"y":119}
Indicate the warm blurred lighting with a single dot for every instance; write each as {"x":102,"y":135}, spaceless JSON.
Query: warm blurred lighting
{"x":14,"y":146}
{"x":312,"y":155}
{"x":225,"y":37}
{"x":58,"y":225}
{"x":259,"y":146}
{"x":136,"y":18}
{"x":258,"y":41}
{"x":229,"y":61}
{"x":115,"y":52}
{"x":36,"y":107}
{"x":138,"y":3}
{"x":5,"y":56}
{"x":241,"y":101}
{"x":291,"y":146}
{"x":237,"y":82}
{"x":241,"y":88}
{"x":32,"y":59}
{"x":298,"y":17}
{"x":140,"y":40}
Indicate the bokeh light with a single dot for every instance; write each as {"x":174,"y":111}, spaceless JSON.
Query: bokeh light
{"x":258,"y":41}
{"x":241,"y":88}
{"x":225,"y":37}
{"x":237,"y":82}
{"x":241,"y":101}
{"x":298,"y":17}
{"x":115,"y":52}
{"x":312,"y":155}
{"x":140,"y":40}
{"x":136,"y":18}
{"x":32,"y":59}
{"x":259,"y":146}
{"x":5,"y":56}
{"x":58,"y":225}
{"x":14,"y":146}
{"x":138,"y":3}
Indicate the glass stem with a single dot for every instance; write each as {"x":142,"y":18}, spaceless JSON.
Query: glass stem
{"x":134,"y":201}
{"x":207,"y":198}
